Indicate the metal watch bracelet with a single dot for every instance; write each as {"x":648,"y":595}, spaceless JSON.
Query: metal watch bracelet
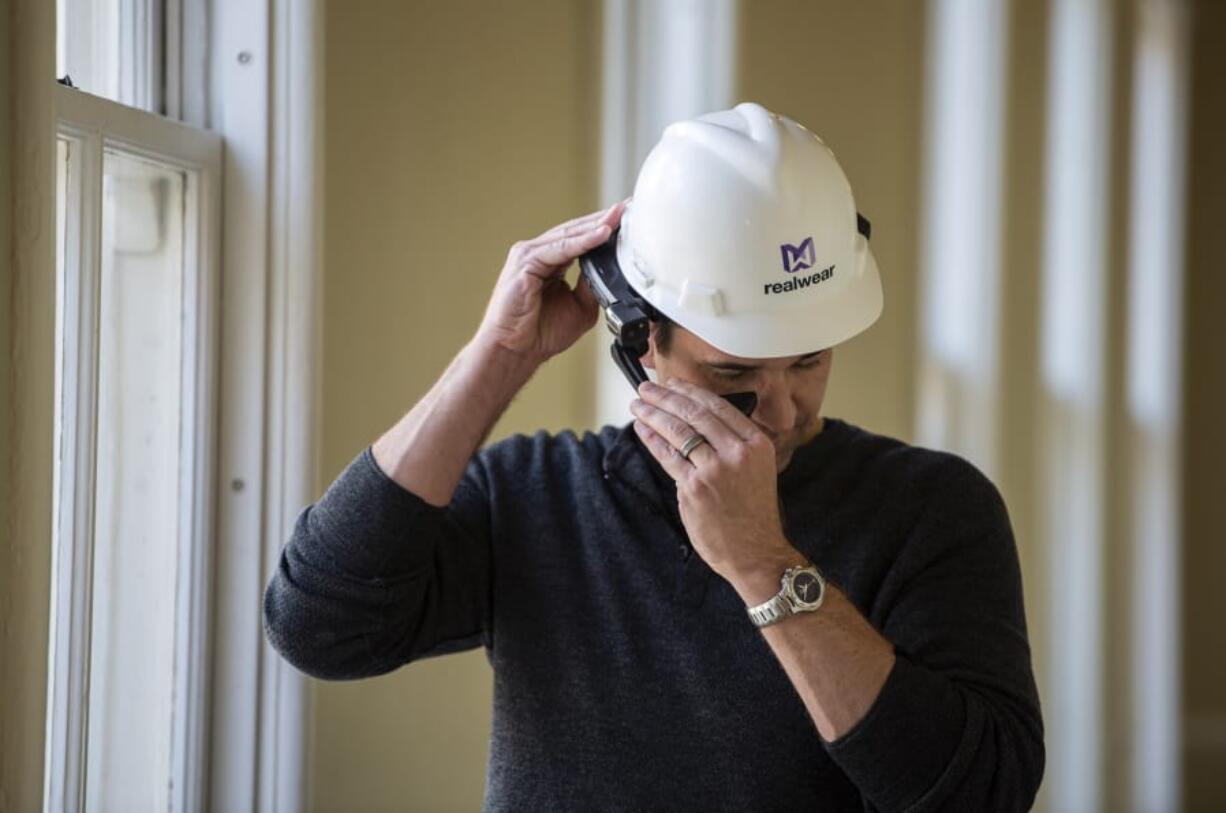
{"x":786,"y":602}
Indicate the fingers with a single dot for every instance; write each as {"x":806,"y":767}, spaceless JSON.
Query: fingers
{"x":670,"y":459}
{"x":554,"y":251}
{"x":613,"y":215}
{"x":676,"y":417}
{"x":732,"y":417}
{"x":562,"y":251}
{"x":571,"y":227}
{"x":548,"y":256}
{"x":610,"y":217}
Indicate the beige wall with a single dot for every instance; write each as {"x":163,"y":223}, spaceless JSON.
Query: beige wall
{"x":6,"y":222}
{"x":6,"y":282}
{"x":453,"y":129}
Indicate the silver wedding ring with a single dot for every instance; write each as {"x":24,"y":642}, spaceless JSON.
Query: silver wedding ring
{"x":691,"y":443}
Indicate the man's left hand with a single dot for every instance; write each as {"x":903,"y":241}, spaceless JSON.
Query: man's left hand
{"x":727,"y":489}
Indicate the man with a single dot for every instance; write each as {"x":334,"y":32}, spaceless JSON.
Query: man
{"x":703,"y":610}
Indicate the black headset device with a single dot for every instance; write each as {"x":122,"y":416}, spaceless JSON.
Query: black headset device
{"x":628,"y":317}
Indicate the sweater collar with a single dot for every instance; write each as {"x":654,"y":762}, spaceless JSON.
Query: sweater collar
{"x":628,"y":461}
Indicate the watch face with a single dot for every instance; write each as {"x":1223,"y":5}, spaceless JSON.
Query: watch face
{"x":806,"y":587}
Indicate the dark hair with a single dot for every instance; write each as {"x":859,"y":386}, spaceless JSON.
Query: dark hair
{"x":664,"y":332}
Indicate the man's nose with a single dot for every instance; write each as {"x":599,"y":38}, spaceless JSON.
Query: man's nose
{"x":775,"y":412}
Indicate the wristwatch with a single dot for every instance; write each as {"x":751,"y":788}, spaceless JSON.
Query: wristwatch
{"x":802,"y":591}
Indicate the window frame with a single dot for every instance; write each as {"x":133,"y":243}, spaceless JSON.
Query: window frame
{"x":92,"y":125}
{"x":253,"y":74}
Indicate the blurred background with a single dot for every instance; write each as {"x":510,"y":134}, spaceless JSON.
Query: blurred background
{"x":1045,"y":182}
{"x":1047,"y":188}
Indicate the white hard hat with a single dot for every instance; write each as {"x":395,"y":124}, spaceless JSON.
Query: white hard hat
{"x":743,"y":231}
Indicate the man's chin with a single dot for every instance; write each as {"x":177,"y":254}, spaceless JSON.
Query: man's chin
{"x":783,"y":457}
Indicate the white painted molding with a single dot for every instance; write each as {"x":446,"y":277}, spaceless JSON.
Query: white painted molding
{"x":294,"y":353}
{"x":267,"y":59}
{"x":241,"y":70}
{"x":1069,"y":420}
{"x":958,"y":395}
{"x":71,"y":586}
{"x":1154,"y":362}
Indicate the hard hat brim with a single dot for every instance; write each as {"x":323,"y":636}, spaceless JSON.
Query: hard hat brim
{"x":796,"y":332}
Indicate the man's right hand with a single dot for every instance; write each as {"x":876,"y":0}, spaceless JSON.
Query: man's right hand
{"x":533,"y":312}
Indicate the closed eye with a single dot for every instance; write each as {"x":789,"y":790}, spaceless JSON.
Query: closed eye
{"x":809,"y":362}
{"x":727,"y":374}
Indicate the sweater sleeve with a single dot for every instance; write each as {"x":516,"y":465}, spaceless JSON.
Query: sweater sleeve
{"x":957,"y":724}
{"x":373,"y":576}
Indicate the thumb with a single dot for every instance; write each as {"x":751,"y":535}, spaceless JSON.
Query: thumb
{"x":583,"y":293}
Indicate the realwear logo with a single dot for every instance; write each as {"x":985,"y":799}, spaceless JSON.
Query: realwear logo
{"x":795,"y":284}
{"x":797,"y":257}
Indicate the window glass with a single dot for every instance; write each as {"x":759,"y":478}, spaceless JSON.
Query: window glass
{"x":112,"y":48}
{"x":138,"y":521}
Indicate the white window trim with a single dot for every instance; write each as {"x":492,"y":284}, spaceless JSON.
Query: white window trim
{"x":295,"y":334}
{"x":270,"y":346}
{"x":1070,"y":417}
{"x":95,"y":124}
{"x":27,"y":576}
{"x":1154,"y":386}
{"x":960,"y":358}
{"x":266,"y":63}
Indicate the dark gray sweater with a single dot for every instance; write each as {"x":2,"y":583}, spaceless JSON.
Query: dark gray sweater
{"x":627,"y":675}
